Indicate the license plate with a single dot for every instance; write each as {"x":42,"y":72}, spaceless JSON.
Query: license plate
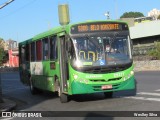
{"x":104,"y":87}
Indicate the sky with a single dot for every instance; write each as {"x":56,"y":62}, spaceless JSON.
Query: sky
{"x":23,"y":19}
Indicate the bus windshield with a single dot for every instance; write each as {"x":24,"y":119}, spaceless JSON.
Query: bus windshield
{"x":101,"y":50}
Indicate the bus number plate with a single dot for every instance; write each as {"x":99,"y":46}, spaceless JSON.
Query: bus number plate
{"x":105,"y":87}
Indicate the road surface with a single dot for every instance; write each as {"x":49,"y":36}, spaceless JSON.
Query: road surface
{"x":147,"y":98}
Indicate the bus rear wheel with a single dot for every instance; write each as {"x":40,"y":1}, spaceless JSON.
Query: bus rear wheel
{"x":32,"y":88}
{"x":108,"y":94}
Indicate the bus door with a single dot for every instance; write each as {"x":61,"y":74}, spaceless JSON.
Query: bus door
{"x":64,"y":73}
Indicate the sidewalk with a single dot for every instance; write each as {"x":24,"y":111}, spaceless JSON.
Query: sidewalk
{"x":7,"y":105}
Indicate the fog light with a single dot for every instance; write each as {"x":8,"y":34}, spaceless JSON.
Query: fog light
{"x":81,"y":81}
{"x":124,"y":78}
{"x":75,"y":76}
{"x":129,"y":76}
{"x":86,"y":81}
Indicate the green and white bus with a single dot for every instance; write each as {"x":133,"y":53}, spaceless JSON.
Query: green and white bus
{"x":82,"y":58}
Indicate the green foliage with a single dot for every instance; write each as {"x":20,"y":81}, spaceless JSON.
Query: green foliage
{"x":2,"y":52}
{"x":1,"y":56}
{"x":158,"y":17}
{"x":156,"y":52}
{"x":132,"y":15}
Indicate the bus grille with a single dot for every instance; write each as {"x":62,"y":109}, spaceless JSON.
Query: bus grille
{"x":105,"y":70}
{"x":109,"y":80}
{"x":114,"y":79}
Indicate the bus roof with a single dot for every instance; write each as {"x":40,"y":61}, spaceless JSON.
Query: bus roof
{"x":48,"y":33}
{"x":92,"y":21}
{"x":62,"y":28}
{"x":25,"y":42}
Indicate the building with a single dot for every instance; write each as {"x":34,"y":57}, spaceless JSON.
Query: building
{"x":130,"y":21}
{"x":144,"y":36}
{"x":13,"y":57}
{"x":154,"y":13}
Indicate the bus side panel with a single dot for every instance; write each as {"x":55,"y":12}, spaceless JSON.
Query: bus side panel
{"x":43,"y":74}
{"x":51,"y":72}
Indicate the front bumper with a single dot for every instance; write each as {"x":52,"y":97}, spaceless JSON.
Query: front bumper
{"x":82,"y":88}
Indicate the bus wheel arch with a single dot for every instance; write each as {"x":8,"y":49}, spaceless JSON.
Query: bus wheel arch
{"x":56,"y":83}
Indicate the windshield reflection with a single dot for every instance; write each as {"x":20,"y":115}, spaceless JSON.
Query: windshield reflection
{"x":101,"y":50}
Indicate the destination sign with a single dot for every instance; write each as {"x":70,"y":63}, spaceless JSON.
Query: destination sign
{"x":95,"y":27}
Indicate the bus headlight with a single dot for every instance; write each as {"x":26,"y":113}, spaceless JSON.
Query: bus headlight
{"x":78,"y":79}
{"x":128,"y":76}
{"x":78,"y":63}
{"x":132,"y":72}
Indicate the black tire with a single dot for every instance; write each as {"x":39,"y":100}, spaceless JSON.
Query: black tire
{"x":108,"y":94}
{"x":32,"y":88}
{"x":64,"y":98}
{"x":134,"y":91}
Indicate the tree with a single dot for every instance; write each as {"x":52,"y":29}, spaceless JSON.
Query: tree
{"x":1,"y":58}
{"x":132,"y":15}
{"x":2,"y":52}
{"x":158,"y":17}
{"x":155,"y":54}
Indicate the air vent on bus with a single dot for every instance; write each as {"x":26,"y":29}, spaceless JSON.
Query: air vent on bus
{"x":105,"y":70}
{"x":109,"y":80}
{"x":101,"y":80}
{"x":114,"y":79}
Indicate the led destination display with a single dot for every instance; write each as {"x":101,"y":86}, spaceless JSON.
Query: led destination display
{"x":91,"y":27}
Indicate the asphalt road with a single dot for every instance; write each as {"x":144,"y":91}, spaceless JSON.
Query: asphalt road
{"x":147,"y":98}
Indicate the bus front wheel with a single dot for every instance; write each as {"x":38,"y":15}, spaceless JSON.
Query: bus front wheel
{"x":63,"y":97}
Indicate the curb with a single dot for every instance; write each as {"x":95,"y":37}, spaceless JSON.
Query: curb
{"x":7,"y":105}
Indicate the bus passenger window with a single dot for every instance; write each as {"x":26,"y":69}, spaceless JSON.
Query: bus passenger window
{"x":39,"y":50}
{"x":23,"y":54}
{"x":45,"y":49}
{"x":27,"y":52}
{"x":53,"y":48}
{"x":33,"y":55}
